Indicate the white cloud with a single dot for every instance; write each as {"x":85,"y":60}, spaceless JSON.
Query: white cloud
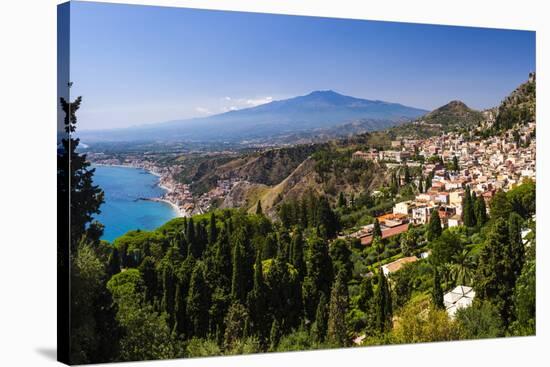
{"x":203,"y":110}
{"x":259,"y":101}
{"x":240,"y":103}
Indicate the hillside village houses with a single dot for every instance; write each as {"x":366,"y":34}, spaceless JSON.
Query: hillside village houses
{"x":485,"y":167}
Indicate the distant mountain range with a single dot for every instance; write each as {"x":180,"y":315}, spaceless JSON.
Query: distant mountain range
{"x":317,"y":110}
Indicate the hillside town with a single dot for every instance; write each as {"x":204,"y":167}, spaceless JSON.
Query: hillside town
{"x":177,"y":194}
{"x":484,"y":166}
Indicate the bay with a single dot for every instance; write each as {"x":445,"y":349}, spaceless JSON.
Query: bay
{"x":124,"y":209}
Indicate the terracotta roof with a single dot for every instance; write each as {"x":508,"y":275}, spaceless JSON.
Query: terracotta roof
{"x":386,"y":233}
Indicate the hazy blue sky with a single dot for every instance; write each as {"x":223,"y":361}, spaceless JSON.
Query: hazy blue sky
{"x":143,"y":64}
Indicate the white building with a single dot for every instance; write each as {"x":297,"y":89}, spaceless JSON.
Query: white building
{"x":460,"y":297}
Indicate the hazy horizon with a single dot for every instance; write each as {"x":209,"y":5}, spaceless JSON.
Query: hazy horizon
{"x":138,"y":65}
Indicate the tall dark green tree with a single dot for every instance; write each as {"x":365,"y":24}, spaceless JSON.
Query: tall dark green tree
{"x":327,"y":217}
{"x":500,"y":206}
{"x":420,"y":186}
{"x":336,"y":327}
{"x":257,"y":302}
{"x":190,"y":232}
{"x":239,"y":272}
{"x":437,"y":291}
{"x":150,"y":278}
{"x":340,"y":255}
{"x":297,"y":253}
{"x":76,"y":178}
{"x":259,"y":208}
{"x":179,"y":309}
{"x":198,"y":302}
{"x":113,"y":267}
{"x":212,"y":229}
{"x":480,"y":211}
{"x":319,"y":274}
{"x":383,"y":304}
{"x":455,"y":165}
{"x":274,"y":335}
{"x":223,"y":260}
{"x":319,"y":327}
{"x":495,"y":278}
{"x":269,"y":250}
{"x":517,"y":250}
{"x":169,"y":291}
{"x":377,"y":231}
{"x":342,"y":200}
{"x":434,"y":226}
{"x":428,"y":181}
{"x":468,"y":214}
{"x":407,"y":175}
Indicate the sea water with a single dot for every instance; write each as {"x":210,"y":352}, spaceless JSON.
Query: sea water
{"x":124,"y":208}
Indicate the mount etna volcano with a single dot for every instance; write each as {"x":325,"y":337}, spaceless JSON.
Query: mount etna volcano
{"x":315,"y":111}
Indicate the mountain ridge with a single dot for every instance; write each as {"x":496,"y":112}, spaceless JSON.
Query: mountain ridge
{"x":318,"y":109}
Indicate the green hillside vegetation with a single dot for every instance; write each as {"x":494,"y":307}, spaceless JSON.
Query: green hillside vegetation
{"x":280,"y":278}
{"x":518,"y":108}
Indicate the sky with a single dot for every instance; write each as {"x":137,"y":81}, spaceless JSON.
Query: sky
{"x":136,"y":65}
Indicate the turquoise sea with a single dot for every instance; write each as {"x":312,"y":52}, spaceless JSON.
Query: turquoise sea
{"x":123,"y":210}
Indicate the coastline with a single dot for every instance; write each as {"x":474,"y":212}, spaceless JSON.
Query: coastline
{"x":180,"y":213}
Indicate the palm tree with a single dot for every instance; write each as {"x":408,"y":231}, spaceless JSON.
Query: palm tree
{"x":462,"y":269}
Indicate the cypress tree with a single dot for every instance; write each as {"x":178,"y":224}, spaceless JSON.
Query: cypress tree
{"x":495,"y":276}
{"x":238,"y":279}
{"x":169,"y":290}
{"x":259,"y":210}
{"x":456,"y":167}
{"x":377,"y":231}
{"x":269,"y":250}
{"x":500,"y":206}
{"x":179,"y":309}
{"x":434,"y":226}
{"x":428,"y":181}
{"x":327,"y":218}
{"x":223,"y":260}
{"x":257,"y":301}
{"x":86,"y":198}
{"x":190,"y":232}
{"x":468,"y":215}
{"x":182,"y":244}
{"x":383,"y":304}
{"x":297,"y":254}
{"x":420,"y":188}
{"x":336,"y":326}
{"x":517,"y":250}
{"x":319,"y":274}
{"x":149,"y":275}
{"x":212,"y":230}
{"x":274,"y":335}
{"x":407,"y":174}
{"x":437,"y":292}
{"x":319,"y":327}
{"x":198,"y":302}
{"x":341,"y":200}
{"x":480,"y":211}
{"x":113,"y":267}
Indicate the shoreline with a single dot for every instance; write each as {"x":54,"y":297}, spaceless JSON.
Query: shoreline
{"x":179,"y":212}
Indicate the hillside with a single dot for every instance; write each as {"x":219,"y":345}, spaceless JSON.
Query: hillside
{"x":317,"y":110}
{"x":328,"y":170}
{"x":452,"y":115}
{"x":267,"y":168}
{"x":519,"y":107}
